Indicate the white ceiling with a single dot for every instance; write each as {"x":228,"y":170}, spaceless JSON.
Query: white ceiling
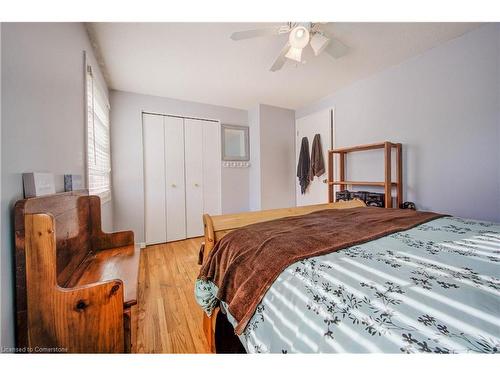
{"x":199,"y":62}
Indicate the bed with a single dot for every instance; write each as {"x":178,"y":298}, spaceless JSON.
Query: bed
{"x":433,"y":288}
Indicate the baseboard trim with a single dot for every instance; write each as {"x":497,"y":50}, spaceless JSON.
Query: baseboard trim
{"x":142,"y":245}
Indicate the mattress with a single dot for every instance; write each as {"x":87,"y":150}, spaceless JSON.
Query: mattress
{"x":434,"y":289}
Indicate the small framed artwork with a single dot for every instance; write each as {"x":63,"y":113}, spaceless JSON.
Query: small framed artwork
{"x":73,"y":182}
{"x":235,"y":143}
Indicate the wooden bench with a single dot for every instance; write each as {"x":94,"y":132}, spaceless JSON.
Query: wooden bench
{"x":76,"y":287}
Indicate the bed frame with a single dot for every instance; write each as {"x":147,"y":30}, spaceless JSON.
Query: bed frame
{"x":216,"y":227}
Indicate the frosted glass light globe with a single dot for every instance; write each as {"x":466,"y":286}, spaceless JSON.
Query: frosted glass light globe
{"x":299,"y":37}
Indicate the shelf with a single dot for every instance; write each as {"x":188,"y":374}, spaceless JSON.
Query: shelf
{"x":361,"y":183}
{"x":371,"y":146}
{"x":387,"y":149}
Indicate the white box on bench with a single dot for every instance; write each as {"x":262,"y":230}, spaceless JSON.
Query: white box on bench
{"x":37,"y":184}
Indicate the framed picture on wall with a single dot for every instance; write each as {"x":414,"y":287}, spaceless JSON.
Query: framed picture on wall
{"x":235,"y":143}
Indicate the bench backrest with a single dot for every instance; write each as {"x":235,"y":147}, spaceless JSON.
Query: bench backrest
{"x":71,"y":214}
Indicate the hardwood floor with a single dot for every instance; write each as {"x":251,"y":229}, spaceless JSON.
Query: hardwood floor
{"x":169,"y":319}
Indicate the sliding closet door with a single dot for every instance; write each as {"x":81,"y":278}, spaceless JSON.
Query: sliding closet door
{"x":175,"y":185}
{"x":211,"y":168}
{"x":154,"y":179}
{"x":194,"y":177}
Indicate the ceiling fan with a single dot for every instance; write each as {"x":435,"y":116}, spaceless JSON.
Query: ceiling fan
{"x":300,"y":36}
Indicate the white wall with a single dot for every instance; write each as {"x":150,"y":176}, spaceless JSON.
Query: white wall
{"x":254,"y":172}
{"x":43,"y":122}
{"x":126,"y":145}
{"x":272,"y":156}
{"x":277,"y":157}
{"x":8,"y":333}
{"x":444,"y":107}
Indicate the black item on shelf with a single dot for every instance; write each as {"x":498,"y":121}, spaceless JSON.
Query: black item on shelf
{"x":343,"y":195}
{"x":375,"y":199}
{"x":370,"y":198}
{"x":408,"y":206}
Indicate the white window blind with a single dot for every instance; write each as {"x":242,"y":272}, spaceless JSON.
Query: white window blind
{"x":98,"y":140}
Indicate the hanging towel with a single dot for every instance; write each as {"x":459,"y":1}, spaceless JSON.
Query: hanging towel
{"x":303,"y":165}
{"x":317,"y":161}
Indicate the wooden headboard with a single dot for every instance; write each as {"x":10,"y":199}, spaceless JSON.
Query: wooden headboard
{"x":216,"y":227}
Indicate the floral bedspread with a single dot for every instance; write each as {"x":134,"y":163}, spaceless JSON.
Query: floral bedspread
{"x":434,"y":288}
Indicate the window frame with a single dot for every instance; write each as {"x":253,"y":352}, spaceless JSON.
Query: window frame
{"x":91,"y":83}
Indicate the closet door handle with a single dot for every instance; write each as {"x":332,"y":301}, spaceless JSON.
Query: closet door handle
{"x":197,"y":185}
{"x":174,"y":185}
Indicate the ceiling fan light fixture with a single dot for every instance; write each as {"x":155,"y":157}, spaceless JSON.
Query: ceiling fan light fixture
{"x":319,"y":43}
{"x":294,"y":54}
{"x":299,"y":37}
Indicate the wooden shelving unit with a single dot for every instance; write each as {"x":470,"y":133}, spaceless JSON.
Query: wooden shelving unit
{"x":387,"y":184}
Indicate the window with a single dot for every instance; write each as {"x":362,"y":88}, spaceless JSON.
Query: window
{"x":98,"y":140}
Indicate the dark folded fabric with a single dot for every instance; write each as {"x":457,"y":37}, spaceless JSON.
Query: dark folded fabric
{"x":245,"y":262}
{"x":303,"y":165}
{"x":201,"y":253}
{"x":317,"y":161}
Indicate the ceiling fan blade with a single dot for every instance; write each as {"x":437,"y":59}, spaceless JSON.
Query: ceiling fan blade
{"x":336,"y":48}
{"x":281,"y":59}
{"x":247,"y":34}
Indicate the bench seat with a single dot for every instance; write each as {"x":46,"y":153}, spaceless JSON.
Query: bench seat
{"x":120,"y":263}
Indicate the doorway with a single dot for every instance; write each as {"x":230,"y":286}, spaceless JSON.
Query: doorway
{"x":322,"y":123}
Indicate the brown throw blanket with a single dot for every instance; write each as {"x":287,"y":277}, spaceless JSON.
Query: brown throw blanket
{"x":245,"y":262}
{"x":317,"y":161}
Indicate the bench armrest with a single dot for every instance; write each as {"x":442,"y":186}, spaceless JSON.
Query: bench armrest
{"x":85,"y":305}
{"x":101,"y":240}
